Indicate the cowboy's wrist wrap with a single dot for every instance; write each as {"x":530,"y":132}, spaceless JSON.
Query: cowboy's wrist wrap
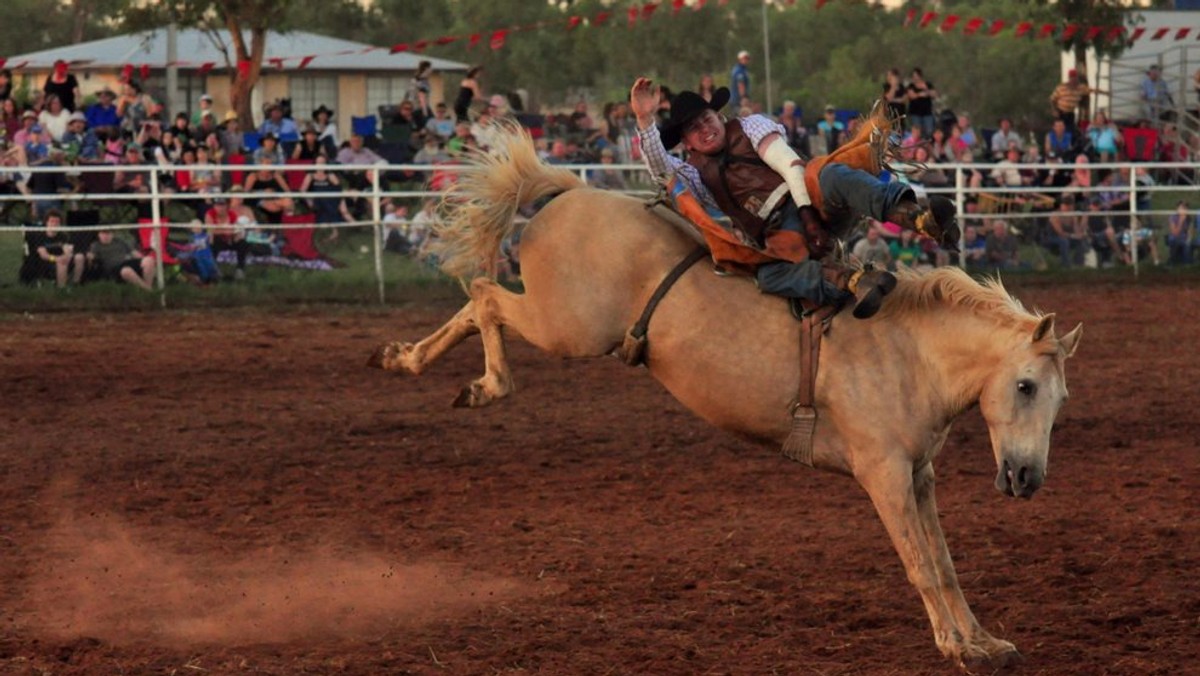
{"x":779,"y":156}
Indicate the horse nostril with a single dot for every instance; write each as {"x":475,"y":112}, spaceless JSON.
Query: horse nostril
{"x":1023,"y":477}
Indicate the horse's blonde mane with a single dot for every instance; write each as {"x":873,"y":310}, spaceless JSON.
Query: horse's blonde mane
{"x":479,"y":211}
{"x":918,"y":291}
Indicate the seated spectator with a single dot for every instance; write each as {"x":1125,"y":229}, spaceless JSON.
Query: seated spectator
{"x":212,"y":144}
{"x":1172,"y":148}
{"x":1105,"y":138}
{"x":831,"y":130}
{"x":227,"y":227}
{"x":1183,"y":235}
{"x":81,"y":142}
{"x":197,"y":256}
{"x":20,"y":138}
{"x":331,"y":209}
{"x":483,"y":129}
{"x":51,"y":254}
{"x":1007,"y":174}
{"x":134,"y":107}
{"x":206,"y":174}
{"x":54,"y":118}
{"x":182,"y":128}
{"x":462,"y":131}
{"x":208,"y":125}
{"x":1066,"y":234}
{"x":117,"y":259}
{"x":326,"y":129}
{"x":1101,"y":233}
{"x":558,"y":152}
{"x":278,"y":125}
{"x":957,"y":145}
{"x":431,"y":152}
{"x":422,"y":226}
{"x":1060,"y":141}
{"x":103,"y":113}
{"x":974,"y":249}
{"x":357,"y":153}
{"x":269,"y":181}
{"x":37,"y":146}
{"x":938,"y":151}
{"x":269,"y":152}
{"x":927,"y":173}
{"x":1002,"y":250}
{"x":407,"y":130}
{"x":872,"y":250}
{"x":967,"y":132}
{"x":170,"y":148}
{"x":310,"y":147}
{"x":1147,"y":243}
{"x":973,"y":178}
{"x":46,"y":188}
{"x":441,"y":125}
{"x":205,"y":109}
{"x":1005,"y":138}
{"x":1114,"y":197}
{"x":395,"y":227}
{"x":607,"y":179}
{"x":233,"y":142}
{"x":907,"y":252}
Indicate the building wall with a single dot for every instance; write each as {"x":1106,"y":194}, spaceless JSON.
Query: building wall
{"x":352,"y":101}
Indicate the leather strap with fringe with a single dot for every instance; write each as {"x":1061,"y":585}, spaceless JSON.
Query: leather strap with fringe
{"x":798,"y":445}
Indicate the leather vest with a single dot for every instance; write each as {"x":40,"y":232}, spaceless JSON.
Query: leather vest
{"x":739,"y":180}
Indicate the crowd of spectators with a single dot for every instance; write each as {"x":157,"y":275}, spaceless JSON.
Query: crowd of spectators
{"x":195,"y":157}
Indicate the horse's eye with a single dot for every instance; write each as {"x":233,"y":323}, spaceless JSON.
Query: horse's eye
{"x":1027,"y":387}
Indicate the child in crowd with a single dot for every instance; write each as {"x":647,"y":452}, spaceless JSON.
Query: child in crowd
{"x":197,"y":255}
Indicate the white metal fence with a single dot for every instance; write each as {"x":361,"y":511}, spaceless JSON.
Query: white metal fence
{"x":377,"y":190}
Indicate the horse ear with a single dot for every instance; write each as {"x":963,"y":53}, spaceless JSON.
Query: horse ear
{"x":1044,"y":328}
{"x":1070,"y":341}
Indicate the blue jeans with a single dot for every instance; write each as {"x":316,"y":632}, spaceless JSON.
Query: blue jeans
{"x":847,"y":192}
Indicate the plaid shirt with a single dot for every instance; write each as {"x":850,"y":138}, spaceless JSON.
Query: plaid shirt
{"x":663,"y":166}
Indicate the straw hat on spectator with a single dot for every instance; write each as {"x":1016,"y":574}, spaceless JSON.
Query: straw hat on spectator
{"x":77,"y":117}
{"x":28,"y":113}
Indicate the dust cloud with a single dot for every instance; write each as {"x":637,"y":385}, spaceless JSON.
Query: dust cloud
{"x":99,"y":580}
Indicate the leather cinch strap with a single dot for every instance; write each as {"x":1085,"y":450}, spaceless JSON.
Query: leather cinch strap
{"x":633,"y":350}
{"x":799,"y":443}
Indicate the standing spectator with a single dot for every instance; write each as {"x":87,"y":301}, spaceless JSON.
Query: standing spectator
{"x":739,"y":82}
{"x":327,"y":131}
{"x":895,"y":94}
{"x":1001,"y":249}
{"x":282,"y":127}
{"x":707,"y":86}
{"x":408,"y":130}
{"x":62,"y":84}
{"x":1183,"y":235}
{"x":967,"y":132}
{"x":872,"y":250}
{"x":832,"y":131}
{"x":1065,"y":98}
{"x":418,"y":89}
{"x":205,"y":109}
{"x":793,"y":124}
{"x":10,"y":118}
{"x":1004,"y":139}
{"x":921,"y":95}
{"x":468,"y":92}
{"x":119,"y":261}
{"x":6,"y":84}
{"x":1157,"y":103}
{"x":607,"y":179}
{"x":54,"y":118}
{"x":441,"y":125}
{"x":134,"y":107}
{"x":51,"y":254}
{"x":103,"y":114}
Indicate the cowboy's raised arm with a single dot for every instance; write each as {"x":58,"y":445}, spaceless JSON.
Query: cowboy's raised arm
{"x":643,"y":101}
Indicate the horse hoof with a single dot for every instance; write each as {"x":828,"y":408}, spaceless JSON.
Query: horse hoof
{"x":993,"y":664}
{"x":471,"y":396}
{"x":379,"y":357}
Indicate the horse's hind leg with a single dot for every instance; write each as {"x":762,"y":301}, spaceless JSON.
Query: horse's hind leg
{"x":415,"y":357}
{"x":495,"y":308}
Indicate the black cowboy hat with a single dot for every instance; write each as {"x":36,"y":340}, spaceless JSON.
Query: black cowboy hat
{"x":686,"y":107}
{"x":322,"y":109}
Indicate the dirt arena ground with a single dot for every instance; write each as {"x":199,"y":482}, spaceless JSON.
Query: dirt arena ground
{"x":230,"y":492}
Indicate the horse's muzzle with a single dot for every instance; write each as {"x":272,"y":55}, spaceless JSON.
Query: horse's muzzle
{"x":1019,"y":480}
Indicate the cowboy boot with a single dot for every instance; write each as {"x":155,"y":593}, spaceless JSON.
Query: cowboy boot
{"x":867,"y":285}
{"x":937,"y":222}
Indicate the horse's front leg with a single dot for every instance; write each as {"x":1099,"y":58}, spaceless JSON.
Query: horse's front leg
{"x":890,"y":484}
{"x":979,"y":648}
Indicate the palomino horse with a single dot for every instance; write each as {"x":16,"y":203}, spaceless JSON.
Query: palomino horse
{"x":887,"y":389}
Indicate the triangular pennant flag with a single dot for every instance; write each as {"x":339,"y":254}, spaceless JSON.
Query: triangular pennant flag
{"x":648,"y":10}
{"x":306,"y":60}
{"x":574,"y":22}
{"x":1069,"y":32}
{"x":3,"y":61}
{"x":1160,"y":33}
{"x":276,"y":61}
{"x":949,"y":23}
{"x":127,"y":72}
{"x":1093,"y":33}
{"x":420,"y":45}
{"x":1114,"y":33}
{"x":909,"y":16}
{"x":1137,"y":33}
{"x":676,"y":5}
{"x":145,"y":71}
{"x":997,"y":26}
{"x":396,"y":49}
{"x":601,"y":18}
{"x":820,"y":3}
{"x":446,"y":39}
{"x":927,"y":19}
{"x":473,"y":40}
{"x":633,"y":15}
{"x":207,"y":66}
{"x":1023,"y":28}
{"x":1046,"y":31}
{"x":972,"y":26}
{"x":498,"y":37}
{"x":1182,"y":33}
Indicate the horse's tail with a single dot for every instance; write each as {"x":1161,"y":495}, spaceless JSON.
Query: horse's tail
{"x":479,"y":211}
